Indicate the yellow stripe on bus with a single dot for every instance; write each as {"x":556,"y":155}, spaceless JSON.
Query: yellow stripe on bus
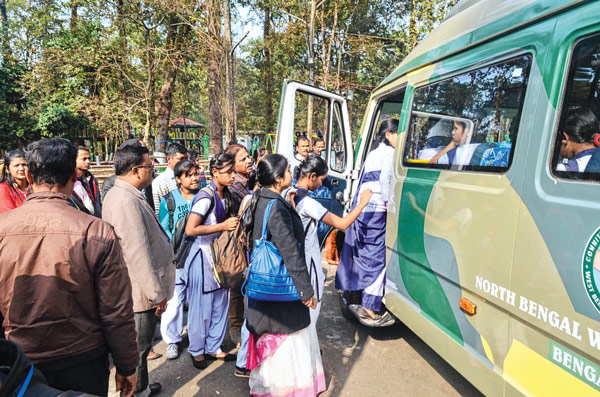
{"x":533,"y":374}
{"x":488,"y":350}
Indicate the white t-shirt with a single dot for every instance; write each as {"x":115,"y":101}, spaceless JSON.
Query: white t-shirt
{"x":311,"y":212}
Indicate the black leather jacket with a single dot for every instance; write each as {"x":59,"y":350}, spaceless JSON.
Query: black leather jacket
{"x":14,"y":371}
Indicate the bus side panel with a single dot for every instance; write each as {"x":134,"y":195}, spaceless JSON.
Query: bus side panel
{"x":452,"y":235}
{"x":555,"y":328}
{"x":444,"y":230}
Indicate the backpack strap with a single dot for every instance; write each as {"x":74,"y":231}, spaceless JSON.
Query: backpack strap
{"x":211,"y":195}
{"x":266,"y":219}
{"x":171,"y":208}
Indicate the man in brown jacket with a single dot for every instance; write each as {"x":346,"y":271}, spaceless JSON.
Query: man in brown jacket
{"x":64,"y":290}
{"x":146,"y":249}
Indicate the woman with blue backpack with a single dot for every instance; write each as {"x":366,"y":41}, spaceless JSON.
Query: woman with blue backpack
{"x":208,"y":302}
{"x":283,"y":351}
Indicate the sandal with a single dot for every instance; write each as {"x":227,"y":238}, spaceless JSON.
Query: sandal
{"x":241,"y":372}
{"x":364,"y":317}
{"x":153,"y":355}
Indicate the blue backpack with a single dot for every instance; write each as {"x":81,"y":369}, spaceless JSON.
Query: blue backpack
{"x":268,"y":279}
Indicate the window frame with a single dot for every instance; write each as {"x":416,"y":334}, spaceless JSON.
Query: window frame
{"x":568,"y":176}
{"x":379,"y":102}
{"x":329,"y":122}
{"x":336,"y":117}
{"x":504,"y":58}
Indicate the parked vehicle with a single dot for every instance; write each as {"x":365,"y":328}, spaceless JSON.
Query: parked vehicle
{"x":492,"y":249}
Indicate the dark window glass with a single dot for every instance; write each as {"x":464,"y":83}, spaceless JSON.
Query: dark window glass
{"x":578,"y":135}
{"x":469,"y":122}
{"x":337,"y":160}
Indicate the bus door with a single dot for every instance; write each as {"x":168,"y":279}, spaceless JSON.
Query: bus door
{"x":555,"y":327}
{"x":310,"y":112}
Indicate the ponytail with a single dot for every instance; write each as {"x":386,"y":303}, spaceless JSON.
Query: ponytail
{"x":271,"y":167}
{"x":309,"y":165}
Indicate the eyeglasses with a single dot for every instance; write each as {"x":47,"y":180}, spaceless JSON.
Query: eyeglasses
{"x":150,"y":166}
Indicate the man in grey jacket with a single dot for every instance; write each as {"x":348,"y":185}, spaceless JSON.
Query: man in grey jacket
{"x":146,"y":249}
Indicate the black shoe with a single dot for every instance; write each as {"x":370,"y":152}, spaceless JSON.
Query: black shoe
{"x":202,"y":364}
{"x":154,"y":389}
{"x":229,"y":357}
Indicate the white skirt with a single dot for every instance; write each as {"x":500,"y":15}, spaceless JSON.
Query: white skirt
{"x":295,"y":368}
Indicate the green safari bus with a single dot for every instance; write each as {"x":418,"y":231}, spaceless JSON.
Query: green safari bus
{"x":492,"y":247}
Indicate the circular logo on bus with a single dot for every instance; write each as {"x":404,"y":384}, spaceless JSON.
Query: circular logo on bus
{"x":591,"y":269}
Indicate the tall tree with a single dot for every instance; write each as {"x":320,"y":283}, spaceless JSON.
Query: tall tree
{"x":178,"y":37}
{"x":215,"y":89}
{"x":4,"y":29}
{"x":269,"y":125}
{"x":229,"y":96}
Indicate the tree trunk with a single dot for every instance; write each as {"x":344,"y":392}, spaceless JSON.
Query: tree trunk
{"x":73,"y":21}
{"x":215,"y":90}
{"x":228,"y":59}
{"x":413,"y":34}
{"x":5,"y":38}
{"x":176,"y":40}
{"x":124,"y":125}
{"x":267,"y":71}
{"x":149,"y":91}
{"x":326,"y":48}
{"x":311,"y":68}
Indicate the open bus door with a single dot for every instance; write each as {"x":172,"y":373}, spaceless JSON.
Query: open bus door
{"x":307,"y":111}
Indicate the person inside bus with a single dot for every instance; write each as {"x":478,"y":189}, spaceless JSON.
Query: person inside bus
{"x":438,"y":137}
{"x":578,"y":139}
{"x":459,"y":150}
{"x":363,"y":259}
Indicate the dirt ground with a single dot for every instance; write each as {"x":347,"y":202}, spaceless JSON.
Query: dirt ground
{"x":358,"y":361}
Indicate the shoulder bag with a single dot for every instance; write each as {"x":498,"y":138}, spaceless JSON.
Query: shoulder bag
{"x":268,"y":278}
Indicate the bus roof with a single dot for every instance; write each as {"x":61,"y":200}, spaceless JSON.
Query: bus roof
{"x":471,"y":22}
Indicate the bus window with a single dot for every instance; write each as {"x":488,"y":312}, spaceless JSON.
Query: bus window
{"x":576,"y":154}
{"x":311,"y":120}
{"x":338,"y":148}
{"x":390,"y":108}
{"x":468,"y":122}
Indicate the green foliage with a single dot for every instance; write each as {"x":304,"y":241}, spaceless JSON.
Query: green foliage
{"x":16,"y":127}
{"x":99,"y":65}
{"x":58,"y":120}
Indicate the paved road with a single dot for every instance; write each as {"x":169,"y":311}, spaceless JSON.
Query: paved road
{"x":358,"y":361}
